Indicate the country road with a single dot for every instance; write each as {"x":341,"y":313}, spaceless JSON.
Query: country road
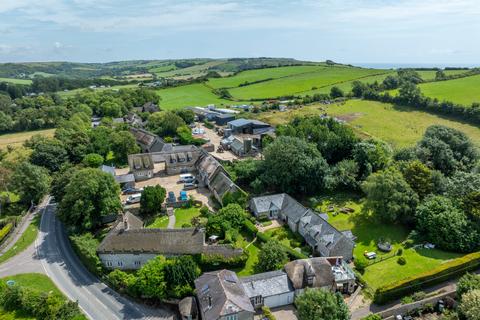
{"x":53,"y":254}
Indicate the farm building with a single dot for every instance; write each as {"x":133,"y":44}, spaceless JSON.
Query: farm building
{"x":321,"y":236}
{"x":248,"y":126}
{"x":223,"y":119}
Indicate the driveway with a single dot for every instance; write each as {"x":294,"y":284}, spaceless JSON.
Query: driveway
{"x":215,"y":139}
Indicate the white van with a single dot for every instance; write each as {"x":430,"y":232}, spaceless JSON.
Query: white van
{"x":134,"y":198}
{"x":187,"y":177}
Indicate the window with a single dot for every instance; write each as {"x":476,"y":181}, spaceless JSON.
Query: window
{"x":120,"y":263}
{"x":109,"y":263}
{"x":232,"y":317}
{"x":258,"y":300}
{"x":137,"y":263}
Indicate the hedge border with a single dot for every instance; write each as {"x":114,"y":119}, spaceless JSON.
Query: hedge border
{"x":5,"y":231}
{"x":409,"y":285}
{"x":292,"y":253}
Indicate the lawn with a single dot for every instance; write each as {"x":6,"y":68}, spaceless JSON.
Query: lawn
{"x":368,"y":232}
{"x":463,"y":91}
{"x":33,"y":281}
{"x":17,"y":139}
{"x":16,"y":81}
{"x":302,"y":83}
{"x":160,"y":222}
{"x":399,"y":126}
{"x":27,"y":238}
{"x":184,"y":216}
{"x":196,"y":94}
{"x":253,"y":248}
{"x":288,"y":238}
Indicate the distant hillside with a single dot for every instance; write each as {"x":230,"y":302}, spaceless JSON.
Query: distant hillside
{"x":142,"y":68}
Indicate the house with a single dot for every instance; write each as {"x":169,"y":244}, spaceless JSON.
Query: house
{"x":149,"y":107}
{"x":134,"y":120}
{"x":129,"y":245}
{"x":329,"y":273}
{"x":272,"y":289}
{"x":248,"y":126}
{"x":321,"y":236}
{"x":141,"y":165}
{"x":221,"y":295}
{"x":149,"y":142}
{"x":188,"y":309}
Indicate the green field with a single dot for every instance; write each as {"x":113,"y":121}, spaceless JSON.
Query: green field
{"x":190,"y":95}
{"x":261,"y":74}
{"x":73,"y":92}
{"x":16,"y":81}
{"x":302,"y":83}
{"x":430,"y":74}
{"x":17,"y":139}
{"x":400,"y":126}
{"x":368,"y":231}
{"x":463,"y":91}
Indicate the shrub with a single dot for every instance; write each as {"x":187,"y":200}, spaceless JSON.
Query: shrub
{"x":439,"y":274}
{"x":402,"y":261}
{"x":5,"y":231}
{"x":406,"y":300}
{"x":216,"y":262}
{"x":204,"y":211}
{"x":250,"y":227}
{"x":399,"y":252}
{"x":360,"y":264}
{"x":85,"y":246}
{"x":372,"y":317}
{"x":268,"y":313}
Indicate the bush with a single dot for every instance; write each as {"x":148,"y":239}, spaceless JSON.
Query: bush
{"x":216,"y":262}
{"x":4,"y":232}
{"x":372,"y":317}
{"x":267,"y":313}
{"x":402,"y":261}
{"x":250,"y":227}
{"x":85,"y":246}
{"x":360,"y":264}
{"x":204,"y":211}
{"x":443,"y":272}
{"x":399,"y":252}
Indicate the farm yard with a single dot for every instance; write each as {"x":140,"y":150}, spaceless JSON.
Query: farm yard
{"x":369,"y":232}
{"x":399,"y":126}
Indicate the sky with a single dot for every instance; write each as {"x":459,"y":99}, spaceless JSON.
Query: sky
{"x":348,"y":31}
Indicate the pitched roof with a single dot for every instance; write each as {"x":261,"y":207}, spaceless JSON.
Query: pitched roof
{"x":133,"y":222}
{"x":319,"y":268}
{"x":158,"y":241}
{"x":243,"y":122}
{"x":286,"y":204}
{"x":222,"y":184}
{"x":208,"y":165}
{"x":124,"y":178}
{"x":141,"y":161}
{"x":221,"y":293}
{"x":108,"y":169}
{"x":267,"y":284}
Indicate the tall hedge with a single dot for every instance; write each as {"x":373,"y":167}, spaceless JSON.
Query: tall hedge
{"x":293,"y":254}
{"x":5,"y":231}
{"x":443,"y":272}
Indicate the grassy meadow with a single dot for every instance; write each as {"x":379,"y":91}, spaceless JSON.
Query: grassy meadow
{"x":430,"y":74}
{"x":302,"y":83}
{"x":17,"y":139}
{"x":400,"y":126}
{"x":463,"y":91}
{"x":16,"y":81}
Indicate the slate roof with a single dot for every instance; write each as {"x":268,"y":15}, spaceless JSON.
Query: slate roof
{"x":124,"y":178}
{"x":244,"y":122}
{"x":108,"y":169}
{"x":222,"y":184}
{"x":207,"y":166}
{"x":158,"y":241}
{"x":224,"y":291}
{"x":142,"y":161}
{"x":147,"y":140}
{"x":287,"y":205}
{"x":267,"y":284}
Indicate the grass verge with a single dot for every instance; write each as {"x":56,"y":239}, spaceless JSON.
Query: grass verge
{"x":27,"y":238}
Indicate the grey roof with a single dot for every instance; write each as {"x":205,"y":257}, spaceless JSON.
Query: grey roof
{"x":222,"y":184}
{"x":188,"y":307}
{"x":267,"y":284}
{"x":236,"y":145}
{"x":287,"y":205}
{"x":108,"y":169}
{"x":133,"y":222}
{"x":141,"y":161}
{"x":125,"y":178}
{"x":225,"y":116}
{"x":158,"y":241}
{"x":243,"y":122}
{"x":225,"y":292}
{"x":118,"y":120}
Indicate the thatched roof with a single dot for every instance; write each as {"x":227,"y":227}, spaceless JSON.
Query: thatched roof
{"x":320,"y":269}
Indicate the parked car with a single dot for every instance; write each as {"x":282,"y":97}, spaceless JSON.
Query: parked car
{"x":132,"y":190}
{"x":188,"y":177}
{"x":190,"y":186}
{"x":171,"y":197}
{"x":134,"y":198}
{"x":370,"y":255}
{"x":183,"y":196}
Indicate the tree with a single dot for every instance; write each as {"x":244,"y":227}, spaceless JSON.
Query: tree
{"x":180,"y":274}
{"x":60,"y":181}
{"x":409,"y":93}
{"x":152,"y":199}
{"x":165,"y":123}
{"x":292,"y":165}
{"x":389,"y":196}
{"x":49,"y":154}
{"x":447,"y":149}
{"x":336,"y":92}
{"x":150,"y":282}
{"x":371,"y":155}
{"x":319,"y":304}
{"x":470,"y":305}
{"x":272,"y":256}
{"x":100,"y":141}
{"x":343,"y":176}
{"x":93,"y":160}
{"x":187,"y":115}
{"x":123,"y":143}
{"x":30,"y":182}
{"x":230,"y":217}
{"x":419,"y":177}
{"x":468,"y":282}
{"x":440,"y":75}
{"x":90,"y":195}
{"x":442,"y":223}
{"x":6,"y":122}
